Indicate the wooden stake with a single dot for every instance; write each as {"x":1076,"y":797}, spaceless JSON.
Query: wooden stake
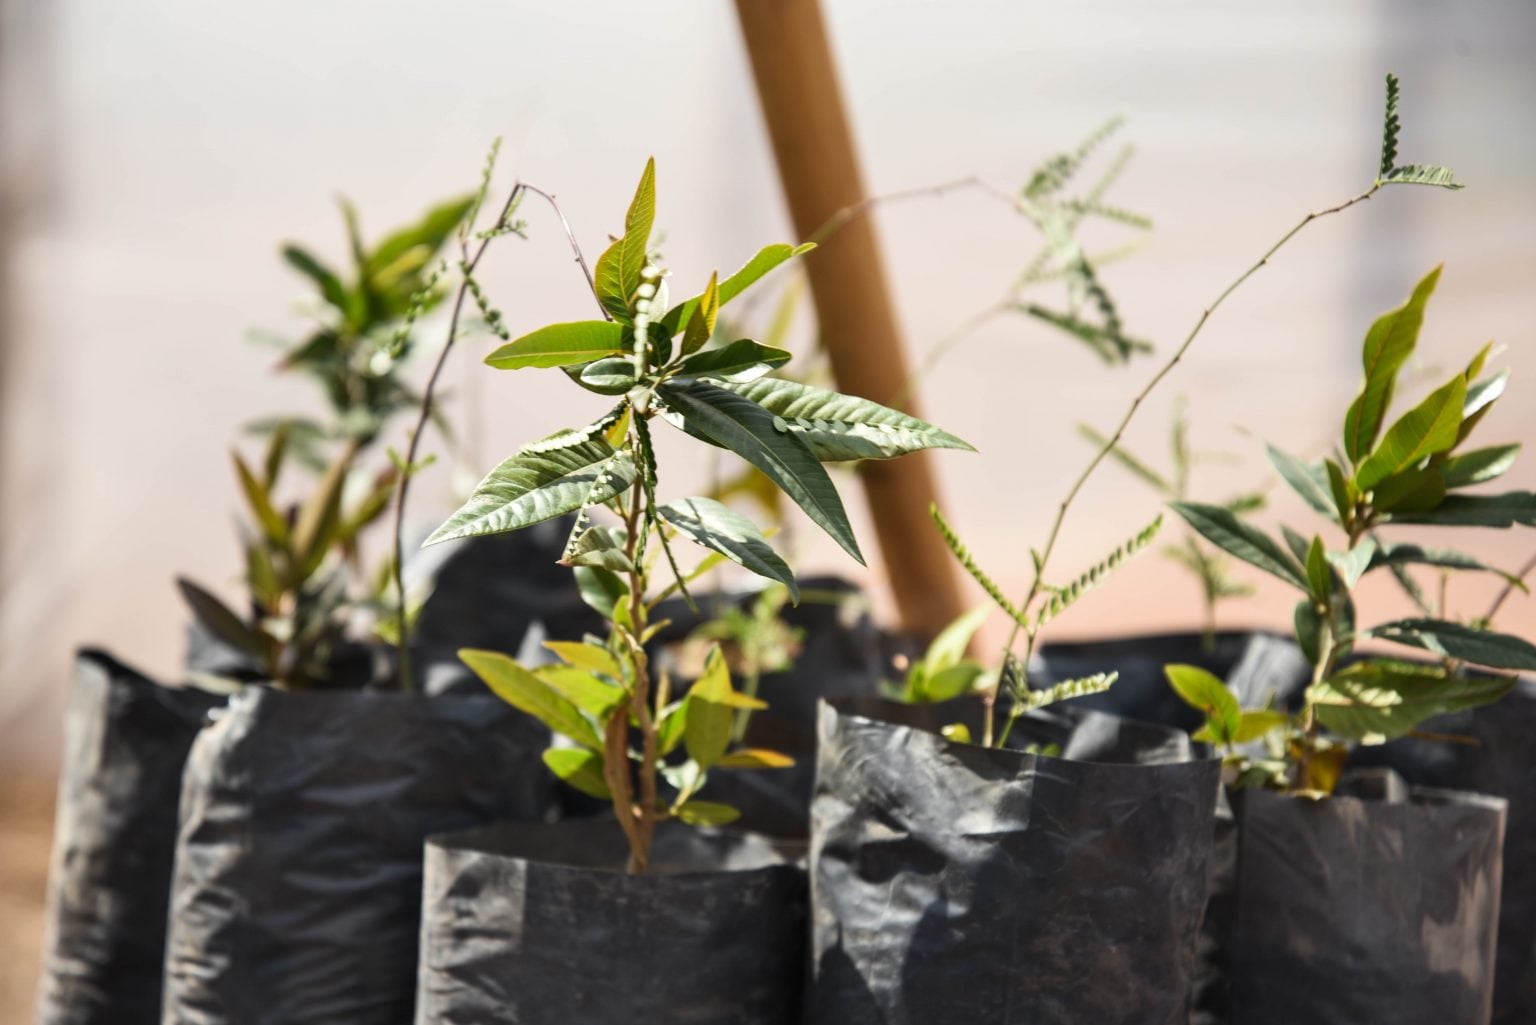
{"x":803,"y":107}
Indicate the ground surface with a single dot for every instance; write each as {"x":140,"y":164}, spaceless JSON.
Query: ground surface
{"x":26,"y":829}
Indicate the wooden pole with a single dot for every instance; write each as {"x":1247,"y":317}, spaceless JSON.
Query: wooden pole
{"x":803,"y":107}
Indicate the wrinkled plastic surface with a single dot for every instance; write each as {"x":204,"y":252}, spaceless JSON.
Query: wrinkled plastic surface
{"x":1356,"y":912}
{"x":126,"y":739}
{"x":1493,"y":756}
{"x":1254,"y":665}
{"x":538,"y":925}
{"x":297,"y":887}
{"x":955,"y":883}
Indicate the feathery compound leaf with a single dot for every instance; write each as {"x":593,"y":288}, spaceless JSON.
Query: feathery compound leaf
{"x":1061,"y":599}
{"x":1106,"y":342}
{"x":1052,"y":175}
{"x":1390,"y":127}
{"x":1067,"y":689}
{"x":839,"y":427}
{"x":1423,"y":174}
{"x":962,"y":553}
{"x":1389,"y":173}
{"x":560,"y":474}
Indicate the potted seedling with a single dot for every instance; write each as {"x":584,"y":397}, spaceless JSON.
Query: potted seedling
{"x":296,"y":886}
{"x":1394,"y":879}
{"x":629,"y":898}
{"x":1019,"y":874}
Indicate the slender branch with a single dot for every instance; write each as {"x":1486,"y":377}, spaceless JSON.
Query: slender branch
{"x":854,"y":211}
{"x":570,"y":236}
{"x":1509,"y":588}
{"x":1038,"y":583}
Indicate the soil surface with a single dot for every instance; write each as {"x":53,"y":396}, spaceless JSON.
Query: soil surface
{"x":26,"y":832}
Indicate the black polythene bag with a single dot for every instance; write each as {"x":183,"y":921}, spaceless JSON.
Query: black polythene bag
{"x":297,"y":889}
{"x":1355,"y":911}
{"x":1255,"y":665}
{"x":126,"y":739}
{"x":539,"y":925}
{"x":956,"y":883}
{"x":1488,"y":751}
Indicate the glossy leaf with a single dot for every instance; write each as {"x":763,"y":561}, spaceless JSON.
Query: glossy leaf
{"x":701,"y":323}
{"x":1412,"y":490}
{"x":1479,"y":465}
{"x":711,"y":711}
{"x":1388,"y":343}
{"x":1232,"y":535}
{"x":601,"y":590}
{"x":527,"y":693}
{"x":1423,"y":174}
{"x":549,"y":478}
{"x":739,"y":362}
{"x":1202,"y":690}
{"x":721,"y":529}
{"x":593,"y":695}
{"x":1310,"y":482}
{"x":618,"y":269}
{"x":1453,"y":640}
{"x":726,"y":419}
{"x":767,"y":258}
{"x":1377,"y":700}
{"x":559,"y":345}
{"x":1430,"y":427}
{"x":1319,"y":573}
{"x":580,"y":769}
{"x":1480,"y":398}
{"x":840,"y":427}
{"x":427,"y":234}
{"x":707,"y":813}
{"x":602,"y":547}
{"x":583,"y":655}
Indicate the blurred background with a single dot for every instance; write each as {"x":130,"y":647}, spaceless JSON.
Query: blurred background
{"x":153,"y":156}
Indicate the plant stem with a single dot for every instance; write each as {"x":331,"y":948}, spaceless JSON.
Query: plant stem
{"x":1038,"y":583}
{"x":643,"y":817}
{"x":1509,"y":588}
{"x":468,"y":262}
{"x":853,"y":211}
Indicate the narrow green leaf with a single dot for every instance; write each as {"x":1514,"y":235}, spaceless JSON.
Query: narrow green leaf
{"x":427,"y":234}
{"x":1063,"y":598}
{"x":1388,"y":343}
{"x":1232,"y":535}
{"x":583,"y":655}
{"x":968,"y":563}
{"x":1414,"y":555}
{"x":755,"y":758}
{"x":1480,"y":398}
{"x":618,"y":269}
{"x":1310,"y":482}
{"x":1428,"y":428}
{"x":588,"y":692}
{"x":559,"y":345}
{"x":1477,"y":511}
{"x":1352,"y":564}
{"x":701,"y":325}
{"x":549,"y":478}
{"x":580,"y":769}
{"x":1342,"y":490}
{"x":319,"y":515}
{"x":839,"y":427}
{"x":1131,"y":463}
{"x":1453,"y":640}
{"x":1412,"y":490}
{"x":219,"y":620}
{"x":602,"y":590}
{"x":715,"y":526}
{"x":602,"y":547}
{"x":711,"y":712}
{"x":1376,"y":700}
{"x":707,"y":813}
{"x":1309,"y":629}
{"x":1204,"y":691}
{"x":325,"y":279}
{"x":1319,"y":573}
{"x":766,"y":260}
{"x":272,"y":523}
{"x":726,"y":419}
{"x":739,"y":362}
{"x":1479,"y":465}
{"x":527,"y":693}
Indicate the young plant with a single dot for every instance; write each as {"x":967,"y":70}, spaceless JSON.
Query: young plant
{"x":301,"y":559}
{"x":1415,"y":472}
{"x":623,"y":737}
{"x":754,"y":641}
{"x":1209,"y":566}
{"x":1043,"y":601}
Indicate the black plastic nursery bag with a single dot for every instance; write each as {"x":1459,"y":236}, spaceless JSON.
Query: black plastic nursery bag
{"x":956,"y":883}
{"x":126,"y":739}
{"x":296,"y":896}
{"x":539,"y":925}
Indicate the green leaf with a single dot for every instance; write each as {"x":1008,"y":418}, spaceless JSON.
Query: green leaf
{"x":719,"y":528}
{"x":726,"y":419}
{"x":1477,"y":511}
{"x":1135,"y":466}
{"x":1353,"y":563}
{"x":707,"y":813}
{"x":260,"y":500}
{"x":1204,"y":691}
{"x":584,"y":655}
{"x":1423,"y":174}
{"x":1310,"y":482}
{"x":618,"y":269}
{"x":220,"y":621}
{"x":947,"y":683}
{"x":1413,"y":490}
{"x":580,"y":769}
{"x":428,"y":234}
{"x":1430,"y":427}
{"x":711,"y":711}
{"x":1080,"y":687}
{"x":531,"y":695}
{"x":766,"y":260}
{"x":1378,"y":700}
{"x":611,"y":375}
{"x":1342,"y":490}
{"x":1453,"y":640}
{"x":949,"y":647}
{"x":319,"y":515}
{"x":1258,"y":723}
{"x":755,"y":758}
{"x":602,"y":547}
{"x":1480,"y":398}
{"x":1232,"y":535}
{"x":1309,"y":629}
{"x":1479,"y":465}
{"x":1319,"y":574}
{"x":601,"y":589}
{"x":839,"y":427}
{"x":1388,"y":343}
{"x":1414,"y":555}
{"x":739,"y":362}
{"x":549,"y":478}
{"x":559,"y":345}
{"x":325,"y":279}
{"x":701,"y":325}
{"x":593,"y":695}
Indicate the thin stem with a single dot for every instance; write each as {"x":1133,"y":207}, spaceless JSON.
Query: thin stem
{"x":853,"y":211}
{"x":1509,"y":588}
{"x":570,"y":236}
{"x":1038,"y":583}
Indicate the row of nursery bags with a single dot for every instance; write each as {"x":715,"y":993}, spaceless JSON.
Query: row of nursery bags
{"x":1109,"y":882}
